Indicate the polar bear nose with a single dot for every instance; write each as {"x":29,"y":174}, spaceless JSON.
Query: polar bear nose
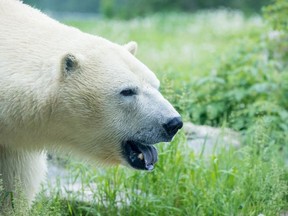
{"x":173,"y":125}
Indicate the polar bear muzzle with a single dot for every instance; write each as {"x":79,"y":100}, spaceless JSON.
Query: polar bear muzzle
{"x":143,"y":156}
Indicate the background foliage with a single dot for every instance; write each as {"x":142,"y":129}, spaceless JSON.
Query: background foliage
{"x":132,"y":8}
{"x":249,"y":82}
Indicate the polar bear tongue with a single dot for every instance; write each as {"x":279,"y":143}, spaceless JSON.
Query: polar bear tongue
{"x":141,"y":156}
{"x":150,"y":156}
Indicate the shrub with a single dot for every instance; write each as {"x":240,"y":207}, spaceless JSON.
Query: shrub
{"x":277,"y":16}
{"x":245,"y":86}
{"x":251,"y":81}
{"x":131,"y":8}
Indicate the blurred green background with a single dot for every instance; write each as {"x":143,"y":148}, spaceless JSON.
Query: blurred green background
{"x":132,"y":8}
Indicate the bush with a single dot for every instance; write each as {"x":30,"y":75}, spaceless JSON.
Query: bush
{"x":277,"y":16}
{"x":251,"y":81}
{"x":246,"y":85}
{"x":131,"y":8}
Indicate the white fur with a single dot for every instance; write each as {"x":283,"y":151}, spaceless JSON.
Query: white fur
{"x":44,"y":106}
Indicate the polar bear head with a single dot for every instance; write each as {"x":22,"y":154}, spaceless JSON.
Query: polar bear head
{"x":111,"y":109}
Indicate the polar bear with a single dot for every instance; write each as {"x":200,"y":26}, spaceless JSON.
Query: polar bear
{"x":64,"y":89}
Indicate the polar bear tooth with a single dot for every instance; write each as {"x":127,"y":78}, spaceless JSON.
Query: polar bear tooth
{"x":140,"y":156}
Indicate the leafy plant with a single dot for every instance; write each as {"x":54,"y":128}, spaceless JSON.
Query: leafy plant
{"x":249,"y":82}
{"x":276,"y":15}
{"x":245,"y":86}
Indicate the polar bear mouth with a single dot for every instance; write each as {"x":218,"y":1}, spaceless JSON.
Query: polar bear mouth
{"x":140,"y":156}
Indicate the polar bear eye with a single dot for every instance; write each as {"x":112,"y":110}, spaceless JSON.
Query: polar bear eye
{"x":128,"y":92}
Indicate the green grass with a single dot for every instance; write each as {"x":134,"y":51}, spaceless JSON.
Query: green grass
{"x":251,"y":180}
{"x":248,"y":181}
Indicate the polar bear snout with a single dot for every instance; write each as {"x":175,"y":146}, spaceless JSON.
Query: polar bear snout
{"x":172,"y":126}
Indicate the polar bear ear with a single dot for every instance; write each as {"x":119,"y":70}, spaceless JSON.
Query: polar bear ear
{"x":69,"y":64}
{"x":131,"y":47}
